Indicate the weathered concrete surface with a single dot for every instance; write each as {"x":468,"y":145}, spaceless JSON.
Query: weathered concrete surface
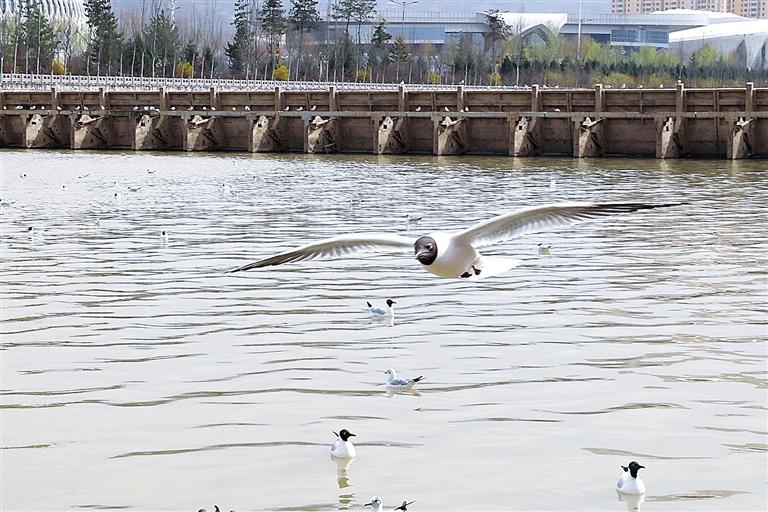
{"x":661,"y":123}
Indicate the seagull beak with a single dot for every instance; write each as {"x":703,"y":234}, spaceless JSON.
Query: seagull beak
{"x":355,"y":435}
{"x":641,"y":467}
{"x":421,"y":253}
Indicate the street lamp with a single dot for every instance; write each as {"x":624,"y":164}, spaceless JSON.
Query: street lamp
{"x":402,"y":21}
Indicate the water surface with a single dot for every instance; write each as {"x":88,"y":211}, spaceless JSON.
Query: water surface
{"x":138,"y":375}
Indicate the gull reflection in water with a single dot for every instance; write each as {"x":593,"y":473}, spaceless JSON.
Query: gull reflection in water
{"x":390,"y":392}
{"x":346,"y":496}
{"x":632,"y":501}
{"x":342,"y":470}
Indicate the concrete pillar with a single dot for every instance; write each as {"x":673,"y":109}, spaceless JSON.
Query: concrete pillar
{"x":46,"y":131}
{"x":460,"y":98}
{"x":449,"y":137}
{"x":266,"y":135}
{"x":215,"y":98}
{"x":680,"y":98}
{"x":749,"y":100}
{"x":402,"y":99}
{"x":599,"y":98}
{"x":523,"y":136}
{"x":103,"y":104}
{"x":202,"y":134}
{"x":54,"y":98}
{"x":535,"y":98}
{"x":332,"y":99}
{"x":320,"y":135}
{"x":89,"y":132}
{"x":740,"y":142}
{"x":670,"y":137}
{"x":390,"y":135}
{"x":590,"y":137}
{"x":278,"y":99}
{"x":163,"y":104}
{"x":153,"y":132}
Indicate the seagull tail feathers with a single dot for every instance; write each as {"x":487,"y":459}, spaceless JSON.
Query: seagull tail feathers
{"x":369,"y":305}
{"x":494,"y":265}
{"x":419,"y":378}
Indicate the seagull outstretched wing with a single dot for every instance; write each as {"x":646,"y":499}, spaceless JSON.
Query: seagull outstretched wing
{"x":336,"y":247}
{"x":543,"y":218}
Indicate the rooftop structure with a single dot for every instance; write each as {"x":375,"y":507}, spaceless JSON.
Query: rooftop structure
{"x":747,"y":40}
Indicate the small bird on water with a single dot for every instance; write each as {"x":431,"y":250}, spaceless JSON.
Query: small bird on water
{"x":342,"y":447}
{"x":629,"y":482}
{"x":389,"y":311}
{"x":544,"y":249}
{"x":452,"y":254}
{"x":375,"y":504}
{"x":405,"y":504}
{"x":395,"y":383}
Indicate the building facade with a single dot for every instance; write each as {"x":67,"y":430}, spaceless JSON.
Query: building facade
{"x":747,"y":8}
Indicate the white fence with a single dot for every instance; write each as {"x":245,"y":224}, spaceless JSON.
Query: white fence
{"x":82,"y":82}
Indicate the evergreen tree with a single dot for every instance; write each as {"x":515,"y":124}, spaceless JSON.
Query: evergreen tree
{"x":498,"y":30}
{"x":398,"y":53}
{"x":163,"y":42}
{"x":37,"y":37}
{"x":304,"y":18}
{"x":274,"y":24}
{"x":238,"y":51}
{"x":105,"y":39}
{"x":380,"y":40}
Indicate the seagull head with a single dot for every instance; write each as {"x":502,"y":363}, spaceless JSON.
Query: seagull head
{"x":425,"y":249}
{"x":391,"y":374}
{"x":375,"y":501}
{"x":390,"y":302}
{"x":634,"y":467}
{"x":345,"y":434}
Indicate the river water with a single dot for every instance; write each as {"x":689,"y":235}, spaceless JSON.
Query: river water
{"x":137,"y":374}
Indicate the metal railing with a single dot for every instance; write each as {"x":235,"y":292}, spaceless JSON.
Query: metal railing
{"x":85,"y":83}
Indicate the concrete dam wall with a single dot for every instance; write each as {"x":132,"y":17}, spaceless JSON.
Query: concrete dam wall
{"x":662,"y":123}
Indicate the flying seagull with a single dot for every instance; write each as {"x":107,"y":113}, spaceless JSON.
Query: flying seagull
{"x":454,"y":254}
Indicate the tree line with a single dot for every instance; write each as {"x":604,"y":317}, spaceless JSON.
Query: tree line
{"x":273,"y":40}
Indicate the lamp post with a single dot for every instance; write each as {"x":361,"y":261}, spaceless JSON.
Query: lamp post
{"x":402,"y":20}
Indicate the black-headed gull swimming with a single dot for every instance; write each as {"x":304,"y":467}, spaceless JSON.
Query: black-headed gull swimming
{"x":454,"y":254}
{"x":394,"y":383}
{"x":544,"y":249}
{"x":378,"y":312}
{"x":375,"y":504}
{"x":630,"y":483}
{"x":342,"y":447}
